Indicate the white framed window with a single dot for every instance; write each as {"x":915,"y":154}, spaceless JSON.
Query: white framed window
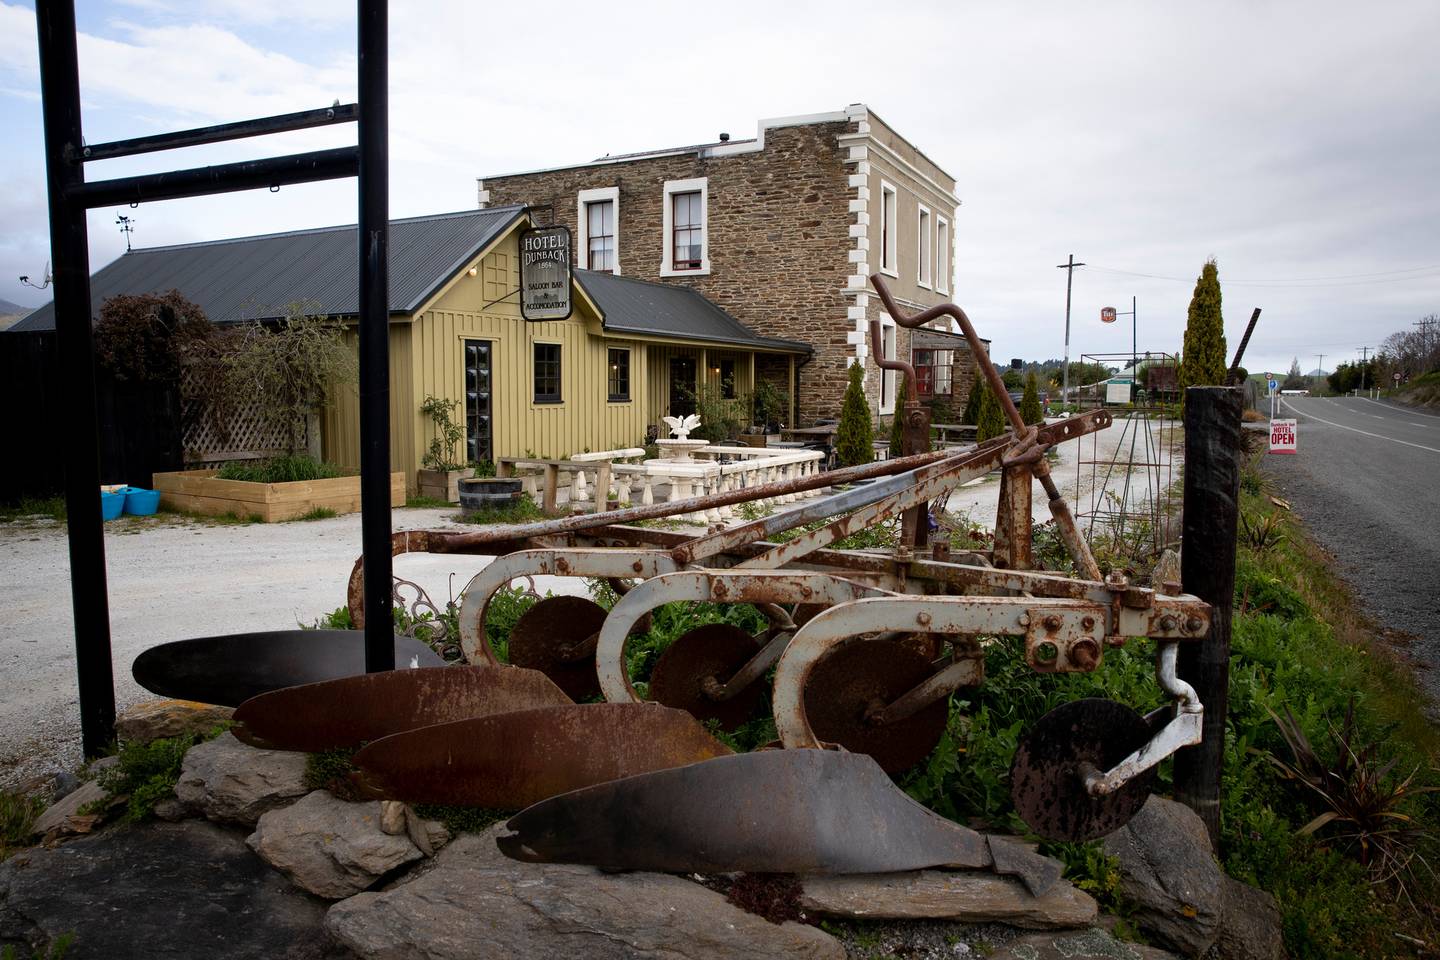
{"x":942,"y":254}
{"x":924,"y":271}
{"x":887,"y":377}
{"x":598,"y":214}
{"x":686,"y":228}
{"x":889,"y":265}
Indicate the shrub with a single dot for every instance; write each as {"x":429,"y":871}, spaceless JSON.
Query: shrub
{"x":897,"y":420}
{"x":991,"y":421}
{"x":441,"y":454}
{"x":1030,"y":410}
{"x":972,"y":403}
{"x":17,"y":814}
{"x":146,"y":773}
{"x":146,"y":338}
{"x":1203,"y":360}
{"x":855,"y":437}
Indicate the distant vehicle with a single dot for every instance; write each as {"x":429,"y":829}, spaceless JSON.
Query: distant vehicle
{"x":1294,"y":393}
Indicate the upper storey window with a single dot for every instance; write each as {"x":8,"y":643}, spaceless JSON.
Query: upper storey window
{"x":888,"y":260}
{"x":599,"y":219}
{"x":686,"y":228}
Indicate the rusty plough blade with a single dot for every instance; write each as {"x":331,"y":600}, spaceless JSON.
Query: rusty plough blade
{"x":512,"y":760}
{"x":353,"y":710}
{"x":230,"y":669}
{"x":775,"y":811}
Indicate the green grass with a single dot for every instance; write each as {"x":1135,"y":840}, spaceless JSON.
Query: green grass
{"x":285,"y":469}
{"x":56,"y":951}
{"x":319,"y":513}
{"x":31,"y":508}
{"x":432,"y":503}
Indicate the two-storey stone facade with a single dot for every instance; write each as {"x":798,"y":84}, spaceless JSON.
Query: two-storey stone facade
{"x":782,"y":231}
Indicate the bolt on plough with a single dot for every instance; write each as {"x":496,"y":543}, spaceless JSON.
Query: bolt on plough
{"x":866,"y":648}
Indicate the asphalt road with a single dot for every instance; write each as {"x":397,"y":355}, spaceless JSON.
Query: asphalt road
{"x":1366,"y":479}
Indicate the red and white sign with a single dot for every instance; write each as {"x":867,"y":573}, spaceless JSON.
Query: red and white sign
{"x":1107,"y":314}
{"x":1282,"y":436}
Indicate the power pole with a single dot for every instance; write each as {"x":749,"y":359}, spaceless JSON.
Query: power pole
{"x":1320,"y":365}
{"x":1069,"y":269}
{"x":1364,"y":357}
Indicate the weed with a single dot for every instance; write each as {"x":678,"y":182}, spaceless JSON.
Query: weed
{"x":523,"y":510}
{"x":1260,"y":533}
{"x":431,"y":503}
{"x":283,"y":469}
{"x":330,"y":770}
{"x":17,"y":815}
{"x":34,"y":508}
{"x":319,"y":513}
{"x":146,"y":773}
{"x":56,"y":951}
{"x":231,"y":518}
{"x":1356,"y":791}
{"x":460,"y":820}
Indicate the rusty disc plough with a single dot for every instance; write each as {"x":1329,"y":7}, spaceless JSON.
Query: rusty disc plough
{"x":861,"y":652}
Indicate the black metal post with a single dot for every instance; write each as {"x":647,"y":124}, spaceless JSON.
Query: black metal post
{"x":375,"y":335}
{"x":69,"y":251}
{"x":221,"y":178}
{"x":1207,"y":569}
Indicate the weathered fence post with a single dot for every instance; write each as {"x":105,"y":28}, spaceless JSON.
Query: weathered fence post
{"x":1207,"y":569}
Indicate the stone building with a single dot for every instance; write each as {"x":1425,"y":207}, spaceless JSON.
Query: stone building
{"x":781,"y":231}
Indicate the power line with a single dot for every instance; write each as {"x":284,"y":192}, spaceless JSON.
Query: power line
{"x":1338,"y":280}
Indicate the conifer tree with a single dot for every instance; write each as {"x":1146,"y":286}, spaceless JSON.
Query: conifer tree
{"x":1030,"y":410}
{"x":897,"y":422}
{"x":1203,"y":362}
{"x":990,"y":422}
{"x":972,"y":403}
{"x":854,"y":438}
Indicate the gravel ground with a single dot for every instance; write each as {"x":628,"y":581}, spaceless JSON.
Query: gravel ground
{"x":171,"y":578}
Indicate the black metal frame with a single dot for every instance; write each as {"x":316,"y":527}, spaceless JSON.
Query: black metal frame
{"x":70,"y":197}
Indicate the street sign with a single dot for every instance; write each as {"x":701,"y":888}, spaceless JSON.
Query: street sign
{"x":1396,"y":375}
{"x":1107,"y":314}
{"x":1282,"y":436}
{"x":1117,"y":390}
{"x":545,"y":273}
{"x":1274,"y":385}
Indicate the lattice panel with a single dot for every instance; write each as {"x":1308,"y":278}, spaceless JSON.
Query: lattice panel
{"x":241,"y":434}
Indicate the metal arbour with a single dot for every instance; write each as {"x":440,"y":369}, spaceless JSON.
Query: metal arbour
{"x":70,"y":195}
{"x":1129,"y":491}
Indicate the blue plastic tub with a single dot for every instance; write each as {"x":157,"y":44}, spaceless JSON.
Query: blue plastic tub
{"x":141,"y":502}
{"x":111,"y":504}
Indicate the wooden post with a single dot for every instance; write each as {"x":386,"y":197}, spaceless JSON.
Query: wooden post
{"x":1207,"y":569}
{"x":602,"y":486}
{"x":550,"y":498}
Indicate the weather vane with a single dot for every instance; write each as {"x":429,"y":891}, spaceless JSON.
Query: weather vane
{"x":127,"y":227}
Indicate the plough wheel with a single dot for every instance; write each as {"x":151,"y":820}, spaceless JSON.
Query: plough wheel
{"x":715,"y":650}
{"x":1047,"y":774}
{"x":851,"y":683}
{"x":553,"y":637}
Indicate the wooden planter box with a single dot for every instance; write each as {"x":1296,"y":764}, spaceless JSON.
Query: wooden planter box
{"x":442,"y":484}
{"x":199,"y":491}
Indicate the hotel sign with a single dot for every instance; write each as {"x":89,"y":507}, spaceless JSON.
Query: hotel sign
{"x":545,"y":273}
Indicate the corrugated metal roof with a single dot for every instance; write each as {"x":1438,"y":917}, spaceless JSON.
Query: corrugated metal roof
{"x":256,"y":278}
{"x":671,"y":310}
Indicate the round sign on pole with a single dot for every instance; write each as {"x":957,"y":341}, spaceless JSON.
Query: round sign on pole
{"x":1107,"y":314}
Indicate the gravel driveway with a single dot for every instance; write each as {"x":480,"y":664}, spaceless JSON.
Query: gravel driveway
{"x":172,"y":578}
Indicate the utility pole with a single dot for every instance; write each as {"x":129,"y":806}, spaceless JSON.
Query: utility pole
{"x":1320,"y":365}
{"x":1364,"y":357}
{"x":1069,"y":269}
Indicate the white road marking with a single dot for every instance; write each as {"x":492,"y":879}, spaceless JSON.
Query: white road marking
{"x":1286,"y":405}
{"x":1423,"y":420}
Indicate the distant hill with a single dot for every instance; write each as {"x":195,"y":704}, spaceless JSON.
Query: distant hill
{"x":10,"y":313}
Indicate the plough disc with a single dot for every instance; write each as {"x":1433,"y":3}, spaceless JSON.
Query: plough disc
{"x":353,"y":710}
{"x":845,"y":689}
{"x":511,"y":760}
{"x":775,"y":811}
{"x":1047,"y":774}
{"x":230,"y":669}
{"x":554,"y":637}
{"x":714,"y":651}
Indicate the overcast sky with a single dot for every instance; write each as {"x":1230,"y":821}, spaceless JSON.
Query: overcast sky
{"x":1296,"y":143}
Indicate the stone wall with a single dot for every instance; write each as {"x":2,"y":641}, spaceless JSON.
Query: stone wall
{"x":779,"y":233}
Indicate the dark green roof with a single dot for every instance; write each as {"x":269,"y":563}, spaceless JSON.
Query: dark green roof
{"x":257,"y":278}
{"x":671,"y":310}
